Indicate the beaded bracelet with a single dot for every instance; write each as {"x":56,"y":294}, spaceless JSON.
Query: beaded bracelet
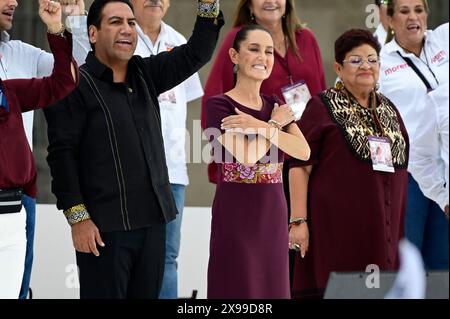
{"x":208,"y":10}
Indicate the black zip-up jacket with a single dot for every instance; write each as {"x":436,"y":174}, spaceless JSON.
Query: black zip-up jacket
{"x":109,"y":156}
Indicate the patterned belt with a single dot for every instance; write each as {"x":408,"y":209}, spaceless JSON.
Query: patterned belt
{"x":257,"y":174}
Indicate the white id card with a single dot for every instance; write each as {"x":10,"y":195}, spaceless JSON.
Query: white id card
{"x":380,"y":152}
{"x":297,"y":96}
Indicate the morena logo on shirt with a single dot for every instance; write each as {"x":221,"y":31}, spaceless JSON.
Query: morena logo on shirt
{"x":396,"y":68}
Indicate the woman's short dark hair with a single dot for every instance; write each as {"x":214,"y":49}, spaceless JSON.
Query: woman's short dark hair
{"x":242,"y":35}
{"x":352,"y":39}
{"x":95,"y":14}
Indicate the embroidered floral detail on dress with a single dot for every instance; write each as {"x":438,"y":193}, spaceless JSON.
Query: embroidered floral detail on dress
{"x":256,"y":174}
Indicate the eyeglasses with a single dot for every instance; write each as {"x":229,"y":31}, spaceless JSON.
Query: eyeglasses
{"x":357,"y":61}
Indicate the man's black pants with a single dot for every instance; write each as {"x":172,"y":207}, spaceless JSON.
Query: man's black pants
{"x":131,"y":265}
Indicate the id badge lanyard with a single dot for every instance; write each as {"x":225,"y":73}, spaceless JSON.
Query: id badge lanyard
{"x":384,"y":162}
{"x":296,"y":94}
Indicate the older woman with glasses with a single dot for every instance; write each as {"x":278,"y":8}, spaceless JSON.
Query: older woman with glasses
{"x":349,"y":206}
{"x":415,"y":62}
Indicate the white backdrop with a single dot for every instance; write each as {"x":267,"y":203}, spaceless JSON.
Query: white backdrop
{"x":54,"y":270}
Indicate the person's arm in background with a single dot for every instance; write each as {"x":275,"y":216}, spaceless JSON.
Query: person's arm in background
{"x":426,"y":163}
{"x":221,"y":77}
{"x":77,"y":23}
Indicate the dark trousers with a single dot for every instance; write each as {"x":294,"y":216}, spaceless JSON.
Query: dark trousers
{"x":130,"y":266}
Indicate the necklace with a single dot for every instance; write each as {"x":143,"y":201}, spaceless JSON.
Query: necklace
{"x":257,"y":106}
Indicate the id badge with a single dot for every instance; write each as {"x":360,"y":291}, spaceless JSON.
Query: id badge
{"x":297,"y":96}
{"x":380,"y":152}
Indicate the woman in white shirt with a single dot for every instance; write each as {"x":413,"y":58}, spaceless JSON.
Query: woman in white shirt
{"x":413,"y":64}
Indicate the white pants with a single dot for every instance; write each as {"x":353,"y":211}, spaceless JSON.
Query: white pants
{"x":13,"y":244}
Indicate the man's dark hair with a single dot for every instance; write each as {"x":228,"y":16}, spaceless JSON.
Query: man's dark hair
{"x":95,"y":14}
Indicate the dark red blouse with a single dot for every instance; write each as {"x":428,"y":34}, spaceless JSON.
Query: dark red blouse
{"x":16,"y":159}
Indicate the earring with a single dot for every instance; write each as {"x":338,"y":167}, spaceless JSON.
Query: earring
{"x":377,"y":87}
{"x":235,"y":69}
{"x":252,"y":17}
{"x":339,"y":85}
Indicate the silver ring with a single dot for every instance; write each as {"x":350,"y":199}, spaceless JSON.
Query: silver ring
{"x":296,"y":247}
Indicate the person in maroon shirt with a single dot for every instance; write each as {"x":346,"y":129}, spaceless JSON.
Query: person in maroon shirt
{"x":348,"y":211}
{"x":17,"y":170}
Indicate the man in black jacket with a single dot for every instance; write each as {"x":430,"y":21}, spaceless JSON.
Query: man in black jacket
{"x":106,"y":151}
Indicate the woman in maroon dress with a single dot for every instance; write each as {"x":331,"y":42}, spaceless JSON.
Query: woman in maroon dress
{"x":297,"y":58}
{"x":250,"y":134}
{"x":352,"y":208}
